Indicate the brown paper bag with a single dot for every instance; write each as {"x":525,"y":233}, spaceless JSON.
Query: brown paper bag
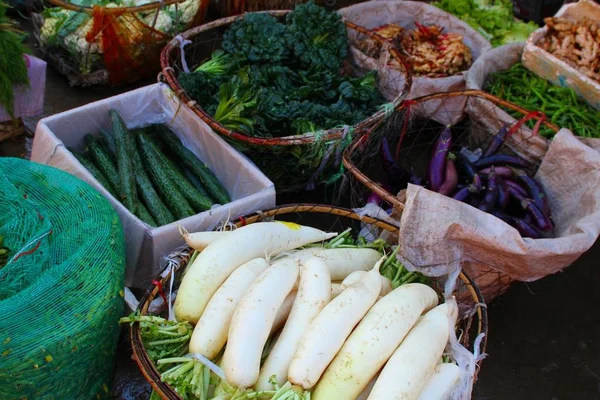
{"x":437,"y":233}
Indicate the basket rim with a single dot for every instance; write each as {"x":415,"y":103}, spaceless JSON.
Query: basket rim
{"x":114,"y":10}
{"x":166,"y":391}
{"x":168,"y":73}
{"x":477,"y":94}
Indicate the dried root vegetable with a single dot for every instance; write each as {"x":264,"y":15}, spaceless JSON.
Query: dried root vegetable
{"x":575,"y":42}
{"x":431,"y":52}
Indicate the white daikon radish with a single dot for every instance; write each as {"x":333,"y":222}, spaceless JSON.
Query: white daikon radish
{"x":284,"y":311}
{"x":373,"y":341}
{"x":336,"y":289}
{"x":330,"y":329}
{"x":412,"y":364}
{"x":210,"y":333}
{"x":444,"y":379}
{"x":212,"y":266}
{"x":367,"y":391}
{"x":200,"y":240}
{"x":314,"y":292}
{"x":252,"y":322}
{"x":341,"y":262}
{"x":357,"y":276}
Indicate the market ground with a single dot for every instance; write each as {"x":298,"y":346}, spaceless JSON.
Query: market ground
{"x":543,"y":338}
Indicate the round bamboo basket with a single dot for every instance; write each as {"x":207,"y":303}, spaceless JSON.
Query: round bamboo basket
{"x":473,"y":322}
{"x":206,"y":38}
{"x":411,"y":139}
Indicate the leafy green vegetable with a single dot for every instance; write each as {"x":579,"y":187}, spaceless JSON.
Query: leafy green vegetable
{"x":257,"y":37}
{"x":318,"y":37}
{"x":283,"y":79}
{"x":13,"y":70}
{"x":494,"y":19}
{"x":162,"y":338}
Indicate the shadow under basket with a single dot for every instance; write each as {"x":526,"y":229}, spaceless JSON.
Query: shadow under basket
{"x":293,"y":162}
{"x":473,"y":318}
{"x":412,"y":130}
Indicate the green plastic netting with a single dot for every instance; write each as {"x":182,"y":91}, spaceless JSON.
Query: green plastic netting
{"x":61,"y":290}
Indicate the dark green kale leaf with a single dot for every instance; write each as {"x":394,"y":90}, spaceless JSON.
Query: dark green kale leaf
{"x":201,"y":86}
{"x":318,"y":37}
{"x":258,"y":38}
{"x":361,"y":89}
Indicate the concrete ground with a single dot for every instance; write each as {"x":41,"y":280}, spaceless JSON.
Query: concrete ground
{"x":542,"y":335}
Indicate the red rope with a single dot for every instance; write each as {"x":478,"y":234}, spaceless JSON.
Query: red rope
{"x":158,"y":284}
{"x":405,"y":104}
{"x":533,"y":114}
{"x":243,"y":220}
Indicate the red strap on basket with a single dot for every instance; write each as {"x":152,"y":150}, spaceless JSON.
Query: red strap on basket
{"x":530,"y":115}
{"x":161,"y":292}
{"x":407,"y":104}
{"x":243,"y":221}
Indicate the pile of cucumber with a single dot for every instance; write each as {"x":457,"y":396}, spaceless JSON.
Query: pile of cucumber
{"x":151,"y":172}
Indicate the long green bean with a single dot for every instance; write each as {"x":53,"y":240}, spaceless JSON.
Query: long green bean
{"x":561,"y":105}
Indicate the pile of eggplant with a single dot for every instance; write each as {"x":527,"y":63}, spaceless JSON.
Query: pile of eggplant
{"x":493,"y":182}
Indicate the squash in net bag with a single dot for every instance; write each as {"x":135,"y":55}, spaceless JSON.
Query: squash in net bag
{"x":61,"y":284}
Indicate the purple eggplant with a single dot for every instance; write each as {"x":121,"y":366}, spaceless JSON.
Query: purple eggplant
{"x":491,"y":193}
{"x":528,"y":230}
{"x":465,"y":166}
{"x":538,"y":217}
{"x":396,"y":175}
{"x":503,"y":216}
{"x":374,"y":198}
{"x":496,"y":142}
{"x":477,"y":185}
{"x":501,"y":159}
{"x":437,"y":165}
{"x":415,"y":179}
{"x":516,"y":187}
{"x":462,"y":195}
{"x":535,"y":190}
{"x":503,"y":195}
{"x":450,"y":178}
{"x":504,"y":172}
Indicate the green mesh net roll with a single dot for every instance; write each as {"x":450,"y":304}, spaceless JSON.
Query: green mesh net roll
{"x":60,"y":285}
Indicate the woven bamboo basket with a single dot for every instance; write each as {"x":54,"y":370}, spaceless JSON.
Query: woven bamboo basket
{"x":413,"y":129}
{"x":300,"y":149}
{"x":473,"y":319}
{"x":228,"y":8}
{"x":122,"y":44}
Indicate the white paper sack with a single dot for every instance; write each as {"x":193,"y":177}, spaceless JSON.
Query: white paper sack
{"x":437,"y":231}
{"x":373,"y":14}
{"x":29,"y":100}
{"x":249,"y":189}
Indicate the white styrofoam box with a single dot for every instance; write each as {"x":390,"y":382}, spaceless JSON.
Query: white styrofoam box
{"x":249,"y":189}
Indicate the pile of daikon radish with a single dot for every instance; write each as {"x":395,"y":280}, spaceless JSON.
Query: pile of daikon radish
{"x":284,"y":311}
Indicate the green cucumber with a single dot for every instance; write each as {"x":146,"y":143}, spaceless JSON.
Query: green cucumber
{"x":109,"y":140}
{"x":192,"y":195}
{"x":146,"y":191}
{"x":193,"y":179}
{"x":96,"y":173}
{"x":126,"y":176}
{"x":162,"y":179}
{"x":208,"y":179}
{"x":102,"y":160}
{"x":144,"y":215}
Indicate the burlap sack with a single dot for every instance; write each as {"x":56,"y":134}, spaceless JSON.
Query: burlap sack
{"x":437,"y":233}
{"x":373,"y":14}
{"x":496,"y":60}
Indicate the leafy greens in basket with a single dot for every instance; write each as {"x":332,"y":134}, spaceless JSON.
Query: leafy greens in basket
{"x":273,"y":78}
